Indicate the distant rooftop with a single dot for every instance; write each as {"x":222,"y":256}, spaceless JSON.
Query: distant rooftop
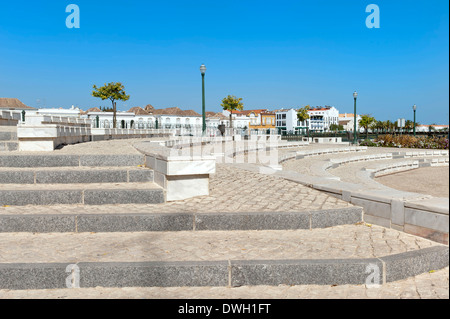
{"x":13,"y":104}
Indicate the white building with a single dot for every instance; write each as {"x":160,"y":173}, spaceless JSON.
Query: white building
{"x":287,"y":121}
{"x":347,"y":120}
{"x":101,"y":119}
{"x":176,"y":118}
{"x":213,"y":120}
{"x":320,"y":118}
{"x":240,"y":120}
{"x":72,"y":112}
{"x":431,"y":128}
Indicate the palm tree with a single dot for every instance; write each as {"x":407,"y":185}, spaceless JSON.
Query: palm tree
{"x":409,"y":125}
{"x":380,"y":126}
{"x":388,"y":125}
{"x":366,"y":122}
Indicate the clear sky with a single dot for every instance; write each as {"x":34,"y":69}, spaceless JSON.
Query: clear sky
{"x":273,"y":54}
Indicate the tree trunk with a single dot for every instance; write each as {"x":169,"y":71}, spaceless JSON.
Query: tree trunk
{"x":114,"y":114}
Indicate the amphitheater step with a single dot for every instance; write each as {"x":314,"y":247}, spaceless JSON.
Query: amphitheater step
{"x":352,"y":254}
{"x":8,"y":146}
{"x":70,"y":175}
{"x":138,"y":218}
{"x":34,"y":161}
{"x":8,"y":136}
{"x":87,"y":194}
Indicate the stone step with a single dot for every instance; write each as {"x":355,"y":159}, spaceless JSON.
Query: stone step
{"x":8,"y":146}
{"x":70,"y":175}
{"x":8,"y":136}
{"x":86,"y":194}
{"x":351,"y":254}
{"x":138,"y":218}
{"x":70,"y":160}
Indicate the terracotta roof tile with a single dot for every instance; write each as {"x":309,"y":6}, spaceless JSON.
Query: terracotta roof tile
{"x":138,"y":111}
{"x":13,"y":103}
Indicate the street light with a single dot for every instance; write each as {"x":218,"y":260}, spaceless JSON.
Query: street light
{"x":203,"y":71}
{"x":355,"y":95}
{"x":414,"y":129}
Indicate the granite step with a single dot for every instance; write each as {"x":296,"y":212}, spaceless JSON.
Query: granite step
{"x":70,"y":160}
{"x":163,"y":218}
{"x":351,"y":254}
{"x":86,"y":194}
{"x":8,"y":136}
{"x":70,"y":175}
{"x":8,"y":146}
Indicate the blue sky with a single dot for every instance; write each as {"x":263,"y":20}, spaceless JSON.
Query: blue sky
{"x":273,"y":54}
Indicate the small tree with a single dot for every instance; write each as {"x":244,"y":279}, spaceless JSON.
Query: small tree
{"x":232,"y":103}
{"x":336,"y":127}
{"x":113,"y":92}
{"x":303,"y":115}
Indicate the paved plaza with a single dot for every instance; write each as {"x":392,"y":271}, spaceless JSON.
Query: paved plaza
{"x":234,"y":189}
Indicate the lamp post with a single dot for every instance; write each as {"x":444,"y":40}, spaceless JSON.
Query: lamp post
{"x":355,"y":139}
{"x":203,"y":71}
{"x":414,"y":128}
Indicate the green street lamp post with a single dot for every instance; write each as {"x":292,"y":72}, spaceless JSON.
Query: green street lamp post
{"x":203,"y":71}
{"x":414,"y":128}
{"x":355,"y":120}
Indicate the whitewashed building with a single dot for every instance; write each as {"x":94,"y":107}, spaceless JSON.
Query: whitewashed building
{"x":287,"y":121}
{"x":320,"y":118}
{"x":347,"y":120}
{"x":240,"y":120}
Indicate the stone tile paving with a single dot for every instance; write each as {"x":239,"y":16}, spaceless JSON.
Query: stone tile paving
{"x":340,"y":242}
{"x":434,"y":285}
{"x":231,"y":190}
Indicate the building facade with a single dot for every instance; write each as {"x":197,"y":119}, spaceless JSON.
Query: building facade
{"x":287,"y":122}
{"x":347,"y":120}
{"x":320,"y":118}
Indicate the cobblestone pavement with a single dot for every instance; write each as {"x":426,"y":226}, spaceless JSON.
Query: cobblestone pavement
{"x":340,"y":242}
{"x":433,"y":285}
{"x":231,"y":190}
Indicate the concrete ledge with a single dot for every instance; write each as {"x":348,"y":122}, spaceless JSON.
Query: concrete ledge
{"x":228,"y":273}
